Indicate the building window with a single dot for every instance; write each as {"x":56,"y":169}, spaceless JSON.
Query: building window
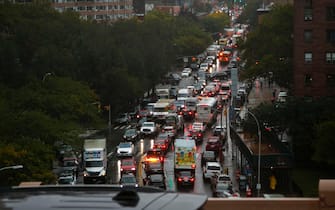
{"x":308,"y":35}
{"x":308,"y":14}
{"x":331,"y":35}
{"x":308,"y":57}
{"x":308,"y":80}
{"x":331,"y":80}
{"x":330,"y":13}
{"x":308,"y":3}
{"x":330,"y":57}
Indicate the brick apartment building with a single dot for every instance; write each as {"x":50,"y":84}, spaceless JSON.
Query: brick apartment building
{"x":314,"y":48}
{"x":99,"y":10}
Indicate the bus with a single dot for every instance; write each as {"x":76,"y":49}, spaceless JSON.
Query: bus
{"x":206,"y":110}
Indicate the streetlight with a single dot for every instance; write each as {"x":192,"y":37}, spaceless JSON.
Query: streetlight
{"x":258,"y":186}
{"x":11,"y":167}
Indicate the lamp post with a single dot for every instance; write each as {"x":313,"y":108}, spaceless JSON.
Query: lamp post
{"x":11,"y":167}
{"x":258,"y":186}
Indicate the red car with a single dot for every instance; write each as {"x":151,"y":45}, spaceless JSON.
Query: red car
{"x":128,"y":165}
{"x":214,"y":144}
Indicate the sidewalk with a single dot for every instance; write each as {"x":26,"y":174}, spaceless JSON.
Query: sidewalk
{"x":262,"y":92}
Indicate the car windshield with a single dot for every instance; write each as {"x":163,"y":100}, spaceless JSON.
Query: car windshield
{"x":127,"y":162}
{"x":130,"y":132}
{"x":124,"y":145}
{"x":93,"y":163}
{"x":216,"y":168}
{"x":128,"y":179}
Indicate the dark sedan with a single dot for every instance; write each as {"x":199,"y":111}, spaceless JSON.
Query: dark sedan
{"x":185,"y":178}
{"x":131,"y":134}
{"x":156,"y":180}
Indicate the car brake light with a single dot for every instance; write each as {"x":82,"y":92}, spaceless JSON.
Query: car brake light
{"x":192,"y":179}
{"x":199,"y":134}
{"x":193,"y":166}
{"x":121,"y":169}
{"x":133,"y":169}
{"x":180,"y":179}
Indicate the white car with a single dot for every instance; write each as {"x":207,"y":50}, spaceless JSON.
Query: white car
{"x":148,"y":128}
{"x":186,"y":72}
{"x":125,"y":149}
{"x":67,"y":178}
{"x":211,"y":169}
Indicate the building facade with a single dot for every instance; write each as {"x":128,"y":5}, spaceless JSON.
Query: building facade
{"x":98,"y":10}
{"x":314,"y":48}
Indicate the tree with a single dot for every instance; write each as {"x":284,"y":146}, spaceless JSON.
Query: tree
{"x":276,"y":29}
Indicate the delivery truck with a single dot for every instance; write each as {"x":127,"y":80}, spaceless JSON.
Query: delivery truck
{"x":184,"y":155}
{"x":95,"y":161}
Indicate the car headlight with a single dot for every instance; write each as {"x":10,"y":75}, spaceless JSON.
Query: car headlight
{"x":103,"y":173}
{"x":85,"y":173}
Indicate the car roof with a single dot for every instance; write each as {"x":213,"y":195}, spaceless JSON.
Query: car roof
{"x":213,"y":164}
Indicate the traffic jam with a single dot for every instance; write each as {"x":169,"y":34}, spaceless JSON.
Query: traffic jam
{"x":179,"y":140}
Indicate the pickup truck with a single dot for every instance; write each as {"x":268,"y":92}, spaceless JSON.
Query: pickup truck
{"x":148,"y":128}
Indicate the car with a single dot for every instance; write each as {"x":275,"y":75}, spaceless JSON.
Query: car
{"x":173,"y":91}
{"x":170,"y":131}
{"x":128,"y":165}
{"x":185,"y":178}
{"x":282,"y":96}
{"x":220,"y":131}
{"x":131,"y":134}
{"x":156,"y":180}
{"x":67,"y":178}
{"x":148,"y":128}
{"x":221,"y":178}
{"x":143,"y":113}
{"x":161,"y":144}
{"x":125,"y":149}
{"x":186,"y":72}
{"x":128,"y":180}
{"x":153,"y":167}
{"x":207,"y":156}
{"x":70,"y":164}
{"x":223,"y":190}
{"x":166,"y":135}
{"x":214,"y":144}
{"x":211,"y":169}
{"x":121,"y":119}
{"x":153,"y":155}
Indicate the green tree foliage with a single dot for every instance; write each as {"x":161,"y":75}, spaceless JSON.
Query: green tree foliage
{"x":269,"y":47}
{"x":215,"y":22}
{"x":249,"y":14}
{"x":324,"y":146}
{"x":56,"y":69}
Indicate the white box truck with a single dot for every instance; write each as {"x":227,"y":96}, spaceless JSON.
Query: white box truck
{"x":95,"y":160}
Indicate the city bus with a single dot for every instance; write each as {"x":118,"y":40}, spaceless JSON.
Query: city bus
{"x":206,"y":110}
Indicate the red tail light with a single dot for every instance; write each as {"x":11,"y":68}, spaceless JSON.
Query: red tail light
{"x":180,"y":179}
{"x":193,"y":165}
{"x":192,"y":179}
